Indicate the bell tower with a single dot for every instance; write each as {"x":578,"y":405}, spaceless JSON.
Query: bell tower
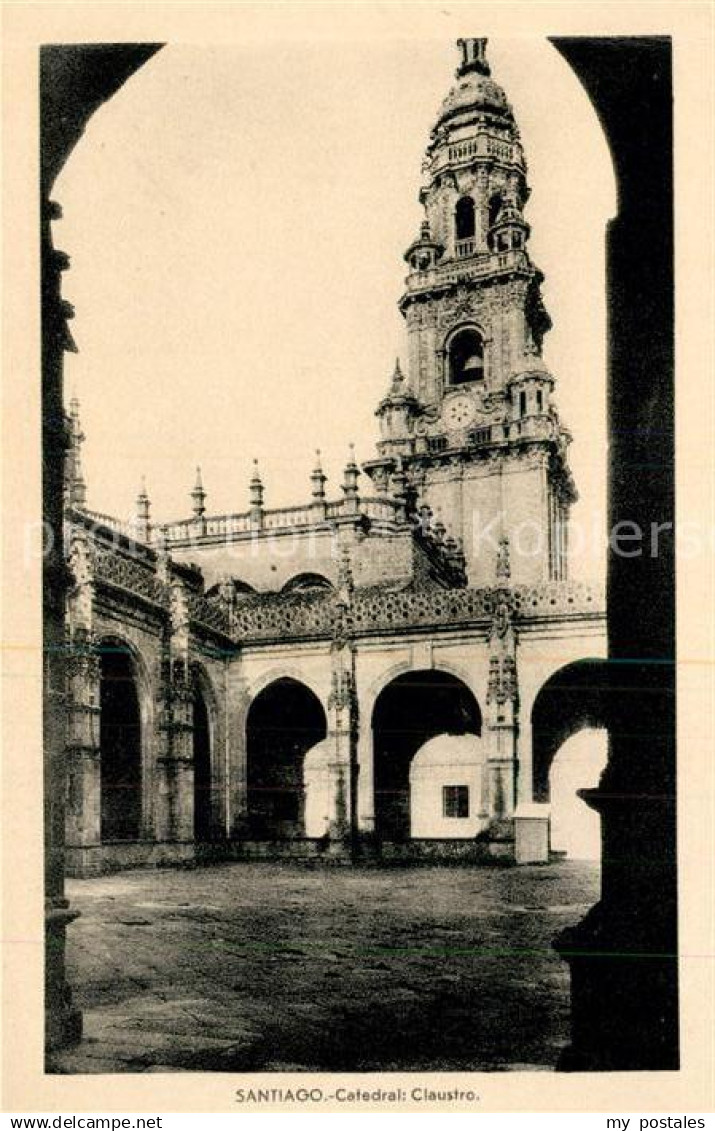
{"x":472,"y":419}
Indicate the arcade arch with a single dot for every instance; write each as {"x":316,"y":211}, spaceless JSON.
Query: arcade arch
{"x":412,"y":709}
{"x":285,"y":720}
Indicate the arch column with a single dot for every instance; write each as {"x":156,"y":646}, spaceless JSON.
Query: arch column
{"x":83,"y":756}
{"x":83,"y":813}
{"x":501,"y":715}
{"x":236,"y":786}
{"x":342,"y":736}
{"x":174,"y":813}
{"x":365,"y":779}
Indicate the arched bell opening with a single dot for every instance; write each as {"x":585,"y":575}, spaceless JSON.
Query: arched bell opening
{"x":465,"y":357}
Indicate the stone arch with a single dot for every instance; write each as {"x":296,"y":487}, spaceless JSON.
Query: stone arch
{"x":410,"y":709}
{"x":284,"y":671}
{"x":402,"y":667}
{"x":285,"y":720}
{"x":307,"y":581}
{"x":238,"y":587}
{"x":125,"y":724}
{"x":573,"y":698}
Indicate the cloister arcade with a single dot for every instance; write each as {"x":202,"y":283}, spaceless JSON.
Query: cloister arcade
{"x":200,"y":726}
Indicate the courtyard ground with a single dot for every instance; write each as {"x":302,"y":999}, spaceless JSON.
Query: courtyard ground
{"x":261,"y":967}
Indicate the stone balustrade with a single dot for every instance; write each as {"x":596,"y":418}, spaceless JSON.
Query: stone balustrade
{"x":485,"y":266}
{"x":127,"y":529}
{"x":231,"y":527}
{"x":481,"y":146}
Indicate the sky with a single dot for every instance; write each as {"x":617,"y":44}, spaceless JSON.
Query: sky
{"x":236,"y":218}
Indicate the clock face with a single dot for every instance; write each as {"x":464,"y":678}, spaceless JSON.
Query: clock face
{"x":459,"y":412}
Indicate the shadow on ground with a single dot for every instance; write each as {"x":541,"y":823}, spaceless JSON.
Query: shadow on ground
{"x":278,"y":967}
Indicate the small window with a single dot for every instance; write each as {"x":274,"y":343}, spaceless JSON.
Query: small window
{"x":539,"y":400}
{"x":522,"y":403}
{"x":455,"y":801}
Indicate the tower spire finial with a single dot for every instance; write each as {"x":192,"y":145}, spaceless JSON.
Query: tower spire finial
{"x":474,"y":57}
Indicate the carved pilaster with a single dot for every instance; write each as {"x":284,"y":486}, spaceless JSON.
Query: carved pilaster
{"x":502,"y":710}
{"x":83,"y":805}
{"x":343,"y":712}
{"x":175,"y":802}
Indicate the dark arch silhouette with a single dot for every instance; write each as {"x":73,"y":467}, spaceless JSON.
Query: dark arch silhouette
{"x":495,"y":203}
{"x":464,"y":226}
{"x":285,"y":720}
{"x":411,"y":709}
{"x":306,"y":582}
{"x":240,"y":588}
{"x":119,"y":743}
{"x":574,"y":697}
{"x":202,"y":766}
{"x":465,"y":354}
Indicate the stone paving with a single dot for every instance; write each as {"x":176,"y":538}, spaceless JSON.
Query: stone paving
{"x":284,"y":967}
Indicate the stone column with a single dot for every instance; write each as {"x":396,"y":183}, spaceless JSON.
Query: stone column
{"x":342,"y":736}
{"x":343,"y":716}
{"x":365,"y":782}
{"x":501,"y":714}
{"x":175,"y":764}
{"x":235,"y":754}
{"x":83,"y":764}
{"x":83,"y":831}
{"x":625,"y":1008}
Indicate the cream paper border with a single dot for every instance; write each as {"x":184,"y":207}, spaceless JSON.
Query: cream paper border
{"x":26,"y":1087}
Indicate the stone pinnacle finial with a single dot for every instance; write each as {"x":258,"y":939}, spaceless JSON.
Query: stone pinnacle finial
{"x":75,"y":486}
{"x":142,"y":511}
{"x":473,"y":57}
{"x":199,"y":496}
{"x":256,"y":488}
{"x":350,"y":475}
{"x":318,"y":478}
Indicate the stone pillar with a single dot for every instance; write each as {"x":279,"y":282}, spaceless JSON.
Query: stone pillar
{"x":236,"y":754}
{"x":365,"y":782}
{"x":501,"y":714}
{"x":83,"y":798}
{"x":83,"y":813}
{"x":343,"y":716}
{"x":342,"y":762}
{"x":624,"y":1012}
{"x":175,"y":764}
